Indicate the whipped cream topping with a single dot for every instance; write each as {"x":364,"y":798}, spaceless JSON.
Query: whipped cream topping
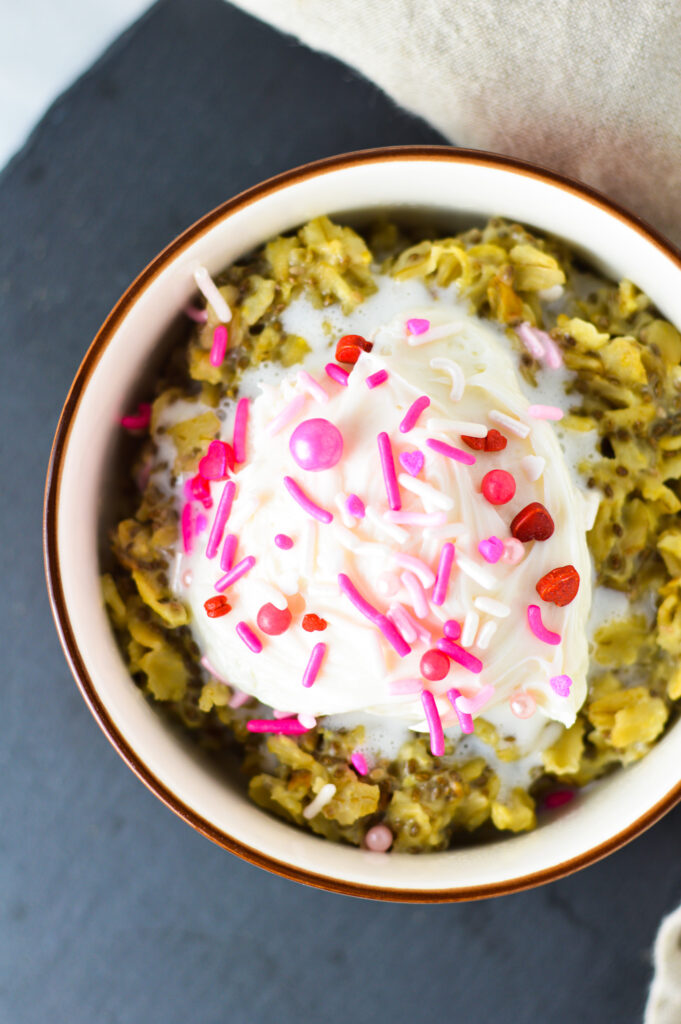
{"x":465,"y":367}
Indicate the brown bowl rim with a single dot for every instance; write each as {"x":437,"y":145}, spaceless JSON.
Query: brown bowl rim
{"x":51,"y":503}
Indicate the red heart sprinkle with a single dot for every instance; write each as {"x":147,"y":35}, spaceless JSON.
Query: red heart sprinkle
{"x":313,"y":622}
{"x":217,"y":606}
{"x":532,"y":523}
{"x":350,"y":346}
{"x":559,"y":586}
{"x":492,"y":442}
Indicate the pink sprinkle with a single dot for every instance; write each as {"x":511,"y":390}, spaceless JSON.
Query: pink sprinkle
{"x":355,"y":506}
{"x":558,"y":798}
{"x":288,"y":413}
{"x":245,"y":633}
{"x":313,"y":387}
{"x":378,"y":839}
{"x":187,"y":528}
{"x":285,"y":726}
{"x":514,"y":551}
{"x":561,"y":685}
{"x":309,"y":721}
{"x":199,"y":316}
{"x":471,"y":705}
{"x":417,"y":518}
{"x":417,"y":566}
{"x":197,"y":488}
{"x":531,"y":339}
{"x":238,"y":699}
{"x":417,"y":326}
{"x":359,"y":763}
{"x":373,"y":615}
{"x":465,"y":720}
{"x":437,"y":736}
{"x":283,"y":541}
{"x":393,"y":636}
{"x":374,"y":379}
{"x":240,"y":423}
{"x":412,"y":461}
{"x":538,"y":628}
{"x":444,"y":571}
{"x":545,"y":412}
{"x":398,"y":617}
{"x":451,"y":452}
{"x":140,"y":420}
{"x":314,"y":664}
{"x":460,"y":656}
{"x":337,"y":373}
{"x":491,"y":549}
{"x":553,"y":357}
{"x":283,"y":714}
{"x":389,"y":475}
{"x":201,"y":524}
{"x":219,"y":346}
{"x":228,"y":552}
{"x":403,"y":686}
{"x":239,"y":570}
{"x":221,"y":517}
{"x":297,"y":493}
{"x":412,"y":414}
{"x":452,"y":629}
{"x":417,"y":594}
{"x":523,"y":705}
{"x":404,"y":617}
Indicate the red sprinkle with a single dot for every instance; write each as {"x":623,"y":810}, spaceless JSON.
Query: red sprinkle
{"x":312,"y":622}
{"x":558,"y":798}
{"x":532,"y":523}
{"x":350,"y":347}
{"x":559,"y":586}
{"x":199,"y":489}
{"x":272,"y":620}
{"x":498,"y":486}
{"x":217,"y":606}
{"x":493,"y":442}
{"x":434,"y":665}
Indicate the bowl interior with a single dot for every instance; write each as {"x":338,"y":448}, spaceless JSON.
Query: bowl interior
{"x":451,"y":189}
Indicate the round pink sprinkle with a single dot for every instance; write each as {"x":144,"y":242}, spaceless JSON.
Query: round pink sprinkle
{"x":272,"y":620}
{"x":545,"y":412}
{"x":523,"y":705}
{"x":314,"y":664}
{"x":219,"y":346}
{"x":355,"y":506}
{"x":417,"y":326}
{"x":378,"y":839}
{"x":534,"y":619}
{"x":434,"y":665}
{"x":514,"y":551}
{"x":245,"y":633}
{"x":316,"y":444}
{"x":374,"y":379}
{"x":337,"y":373}
{"x":359,"y":763}
{"x":498,"y":486}
{"x":491,"y":549}
{"x":452,"y":629}
{"x":413,"y":412}
{"x":283,"y":541}
{"x":558,"y":798}
{"x":561,"y":685}
{"x":458,"y":454}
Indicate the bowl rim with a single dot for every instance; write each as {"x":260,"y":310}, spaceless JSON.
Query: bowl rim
{"x":51,"y":504}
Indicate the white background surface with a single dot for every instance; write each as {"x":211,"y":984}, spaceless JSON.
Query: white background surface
{"x":44,"y":46}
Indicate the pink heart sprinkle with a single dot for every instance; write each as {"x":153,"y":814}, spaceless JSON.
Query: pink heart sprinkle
{"x":412,"y":462}
{"x":561,"y":685}
{"x":417,"y":326}
{"x":491,"y":549}
{"x":213,"y":466}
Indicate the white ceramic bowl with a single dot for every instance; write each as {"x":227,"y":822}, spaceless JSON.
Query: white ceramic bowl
{"x":450,"y":184}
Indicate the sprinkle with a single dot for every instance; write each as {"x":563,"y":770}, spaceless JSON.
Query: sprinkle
{"x":561,"y":685}
{"x":355,"y":506}
{"x":417,"y":566}
{"x":374,"y":379}
{"x":381,"y":621}
{"x":485,"y":635}
{"x":417,"y":518}
{"x":216,"y":607}
{"x":491,"y":549}
{"x":316,"y":511}
{"x":199,"y":316}
{"x":422,"y":633}
{"x":209,"y":668}
{"x":187,"y":521}
{"x":457,"y":427}
{"x":395,"y":533}
{"x":238,"y":699}
{"x":221,"y":517}
{"x":271,"y":594}
{"x":553,"y":357}
{"x":437,"y":736}
{"x":412,"y":462}
{"x":498,"y":486}
{"x":209,"y":290}
{"x":389,"y":475}
{"x":313,"y":387}
{"x":530,"y":339}
{"x":288,"y":413}
{"x":417,"y":594}
{"x":476,"y":572}
{"x":239,"y":570}
{"x":456,"y":374}
{"x":283,"y":541}
{"x":523,"y":705}
{"x":240,"y":423}
{"x":228,"y":552}
{"x":452,"y":629}
{"x":325,"y":794}
{"x":558,"y":798}
{"x":187,"y":578}
{"x":309,"y":721}
{"x":470,"y":628}
{"x":400,"y":620}
{"x":413,"y":412}
{"x":491,"y":607}
{"x":198,"y":489}
{"x":337,"y":373}
{"x":217,"y":462}
{"x":140,"y":420}
{"x":219,"y":346}
{"x":515,"y":426}
{"x":532,"y":466}
{"x":471,"y":705}
{"x":434,"y":665}
{"x":514,"y":551}
{"x":285,"y":726}
{"x":402,"y":686}
{"x":545,"y":412}
{"x":426,"y":491}
{"x":458,"y":454}
{"x":312,"y":623}
{"x":417,"y":326}
{"x":314,"y":664}
{"x":538,"y":628}
{"x":378,"y":838}
{"x":245,"y":633}
{"x":460,"y":656}
{"x":444,"y":570}
{"x":359,"y":763}
{"x":465,"y":720}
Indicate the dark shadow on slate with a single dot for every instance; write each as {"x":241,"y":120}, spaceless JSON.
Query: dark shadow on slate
{"x":113,"y":910}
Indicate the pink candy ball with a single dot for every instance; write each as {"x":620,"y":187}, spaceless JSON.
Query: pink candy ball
{"x":379,"y":838}
{"x":273,"y":620}
{"x":452,"y":629}
{"x":498,"y":486}
{"x":316,"y":444}
{"x":434,"y":665}
{"x":523,"y":705}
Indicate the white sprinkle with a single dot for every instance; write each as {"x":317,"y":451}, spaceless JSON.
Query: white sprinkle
{"x":345,"y":537}
{"x":545,"y":412}
{"x":455,"y":373}
{"x":313,"y":387}
{"x":530,"y":339}
{"x":418,"y":567}
{"x":591,"y":501}
{"x":492,"y":607}
{"x":532,"y":466}
{"x":457,"y":427}
{"x":395,"y":533}
{"x":515,"y":426}
{"x":426,"y":491}
{"x":209,"y":290}
{"x":485,"y":635}
{"x":402,"y":623}
{"x":308,"y":721}
{"x":325,"y":794}
{"x":309,"y":547}
{"x":469,"y":628}
{"x":551,"y":294}
{"x":476,"y":572}
{"x":415,"y":518}
{"x":417,"y":597}
{"x":348,"y":519}
{"x":458,"y":531}
{"x":269,"y":594}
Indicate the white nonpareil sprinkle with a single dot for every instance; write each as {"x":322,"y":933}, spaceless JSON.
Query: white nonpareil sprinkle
{"x":209,"y":290}
{"x":322,"y":798}
{"x":426,"y":491}
{"x":455,"y":374}
{"x":532,"y":466}
{"x":492,"y":607}
{"x":476,"y":572}
{"x":457,"y":427}
{"x":510,"y":423}
{"x":469,"y":629}
{"x":485,"y":635}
